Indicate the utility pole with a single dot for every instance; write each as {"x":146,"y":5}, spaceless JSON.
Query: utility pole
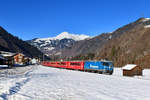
{"x":39,"y":59}
{"x":43,"y":57}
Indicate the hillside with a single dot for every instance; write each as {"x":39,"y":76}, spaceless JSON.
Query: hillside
{"x":133,"y":46}
{"x":11,"y":43}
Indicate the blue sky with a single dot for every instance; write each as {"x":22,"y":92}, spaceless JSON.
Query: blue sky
{"x":29,"y":19}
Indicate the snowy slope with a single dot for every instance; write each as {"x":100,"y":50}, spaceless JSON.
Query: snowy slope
{"x":45,"y":83}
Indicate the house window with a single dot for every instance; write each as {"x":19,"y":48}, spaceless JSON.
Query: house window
{"x":20,"y":60}
{"x":20,"y":57}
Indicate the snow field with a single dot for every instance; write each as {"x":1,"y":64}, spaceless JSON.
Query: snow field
{"x":9,"y":78}
{"x":45,"y":83}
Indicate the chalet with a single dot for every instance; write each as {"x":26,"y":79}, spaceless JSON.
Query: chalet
{"x":19,"y":58}
{"x":14,"y":58}
{"x":132,"y":70}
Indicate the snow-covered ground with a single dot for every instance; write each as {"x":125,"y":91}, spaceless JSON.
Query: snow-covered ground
{"x":45,"y":83}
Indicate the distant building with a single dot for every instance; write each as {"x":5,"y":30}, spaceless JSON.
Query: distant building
{"x":132,"y":70}
{"x":34,"y":61}
{"x":27,"y":60}
{"x":8,"y":56}
{"x":19,"y":58}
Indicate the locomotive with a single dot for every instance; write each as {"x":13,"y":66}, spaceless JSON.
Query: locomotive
{"x":89,"y":66}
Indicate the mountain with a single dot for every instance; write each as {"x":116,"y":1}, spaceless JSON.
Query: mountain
{"x":128,"y":44}
{"x":132,"y":46}
{"x":11,"y":43}
{"x":54,"y":45}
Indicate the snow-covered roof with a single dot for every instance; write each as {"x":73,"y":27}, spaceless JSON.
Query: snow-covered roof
{"x":7,"y":55}
{"x":146,"y":19}
{"x":3,"y":66}
{"x":129,"y":66}
{"x":147,"y":26}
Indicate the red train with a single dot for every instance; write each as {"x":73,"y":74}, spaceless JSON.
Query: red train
{"x":76,"y":65}
{"x":94,"y":66}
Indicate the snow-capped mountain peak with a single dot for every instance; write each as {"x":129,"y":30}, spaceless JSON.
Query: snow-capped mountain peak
{"x":67,"y":35}
{"x":63,"y":34}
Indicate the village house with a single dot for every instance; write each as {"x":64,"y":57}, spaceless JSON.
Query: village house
{"x":3,"y":62}
{"x":27,"y":60}
{"x":132,"y":70}
{"x":34,"y":61}
{"x":19,"y":58}
{"x":8,"y":57}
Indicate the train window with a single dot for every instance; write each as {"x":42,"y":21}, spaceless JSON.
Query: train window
{"x":105,"y":64}
{"x":75,"y":64}
{"x":62,"y":63}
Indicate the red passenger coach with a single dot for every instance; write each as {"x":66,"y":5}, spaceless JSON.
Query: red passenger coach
{"x":62,"y":64}
{"x":54,"y":64}
{"x":76,"y":65}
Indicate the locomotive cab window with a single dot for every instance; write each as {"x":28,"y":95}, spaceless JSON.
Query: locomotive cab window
{"x":105,"y":64}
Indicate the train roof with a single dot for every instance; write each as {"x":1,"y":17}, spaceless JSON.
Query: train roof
{"x":85,"y":60}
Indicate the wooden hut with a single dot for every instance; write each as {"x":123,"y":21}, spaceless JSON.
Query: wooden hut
{"x":132,"y":70}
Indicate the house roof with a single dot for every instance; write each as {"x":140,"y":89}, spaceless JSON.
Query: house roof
{"x":7,"y":54}
{"x":19,"y":53}
{"x":129,"y":66}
